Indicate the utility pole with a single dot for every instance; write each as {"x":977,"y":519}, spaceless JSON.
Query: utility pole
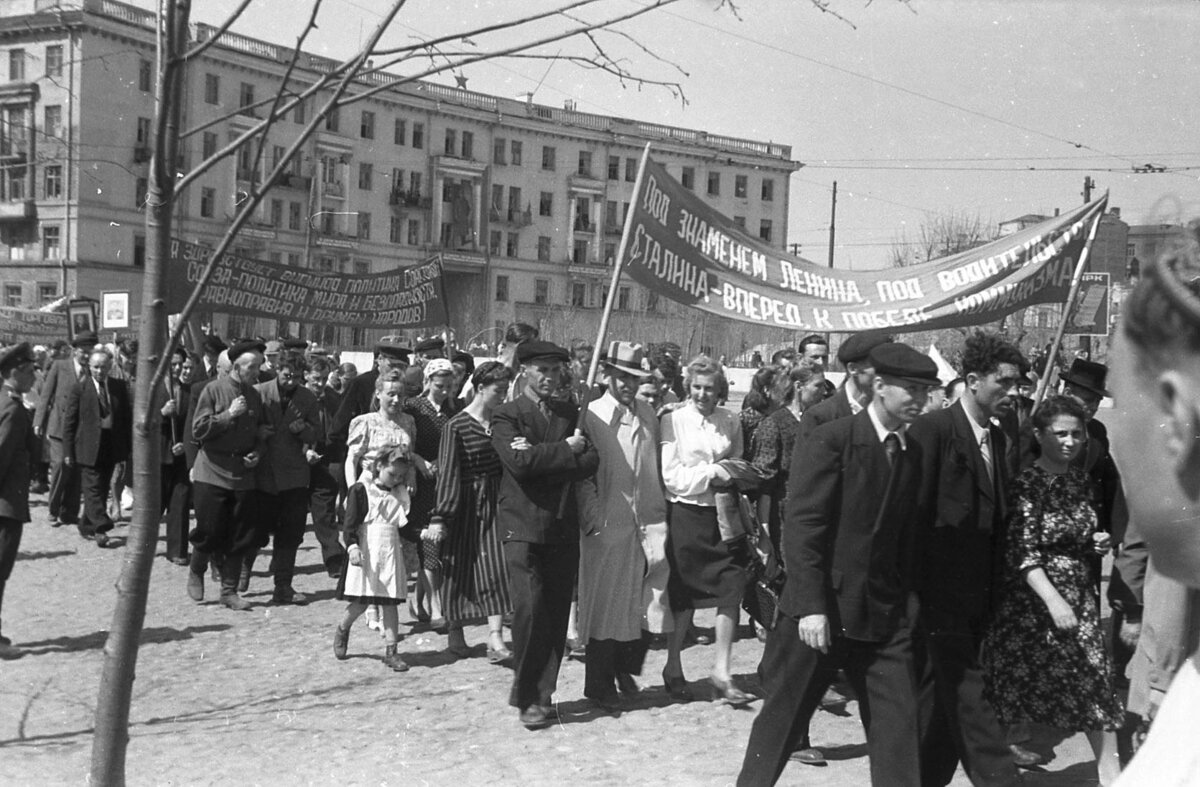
{"x":1085,"y":342}
{"x":832,"y":222}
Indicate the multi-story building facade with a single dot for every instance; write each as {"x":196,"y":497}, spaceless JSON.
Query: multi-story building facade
{"x":523,"y":202}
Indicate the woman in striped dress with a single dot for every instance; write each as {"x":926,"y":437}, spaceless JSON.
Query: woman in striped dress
{"x":475,"y":582}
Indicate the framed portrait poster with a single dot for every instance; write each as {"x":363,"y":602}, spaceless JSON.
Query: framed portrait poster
{"x":81,"y":316}
{"x":114,"y":310}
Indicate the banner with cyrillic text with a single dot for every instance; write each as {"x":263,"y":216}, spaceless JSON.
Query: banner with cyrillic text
{"x":31,"y":325}
{"x":412,"y":297}
{"x":682,"y":249}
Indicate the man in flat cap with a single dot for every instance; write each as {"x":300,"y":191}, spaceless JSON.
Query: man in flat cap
{"x":17,"y":441}
{"x":231,"y":429}
{"x":848,"y":541}
{"x":964,"y":485}
{"x":857,"y":387}
{"x":538,"y":520}
{"x":64,"y":375}
{"x":428,"y":349}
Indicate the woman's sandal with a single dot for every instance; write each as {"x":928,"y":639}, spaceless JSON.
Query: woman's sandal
{"x":677,"y":687}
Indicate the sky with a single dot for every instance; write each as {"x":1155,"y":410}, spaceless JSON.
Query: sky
{"x":917,"y":109}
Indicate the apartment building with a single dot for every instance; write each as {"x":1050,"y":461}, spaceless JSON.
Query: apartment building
{"x":522,"y":202}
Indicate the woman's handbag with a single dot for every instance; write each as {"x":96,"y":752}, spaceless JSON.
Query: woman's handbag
{"x":764,"y":571}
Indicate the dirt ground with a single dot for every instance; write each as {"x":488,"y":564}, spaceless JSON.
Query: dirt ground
{"x":257,"y":697}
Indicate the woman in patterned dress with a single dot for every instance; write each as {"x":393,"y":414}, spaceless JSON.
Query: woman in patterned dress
{"x":1044,"y":656}
{"x":430,"y":411}
{"x":475,"y":582}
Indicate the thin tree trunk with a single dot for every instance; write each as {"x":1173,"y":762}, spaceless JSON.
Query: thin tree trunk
{"x":133,"y":586}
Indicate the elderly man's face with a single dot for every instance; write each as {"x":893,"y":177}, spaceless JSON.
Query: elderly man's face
{"x":100,"y":365}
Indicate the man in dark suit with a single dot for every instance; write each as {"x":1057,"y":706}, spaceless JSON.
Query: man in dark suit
{"x":538,"y":522}
{"x":60,"y":380}
{"x":966,"y":473}
{"x":213,"y":347}
{"x":174,"y":484}
{"x":325,"y":468}
{"x":856,"y":389}
{"x":97,"y":434}
{"x":848,"y":541}
{"x":17,"y":441}
{"x":290,"y":411}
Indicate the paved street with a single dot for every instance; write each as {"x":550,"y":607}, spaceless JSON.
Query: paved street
{"x":257,"y":697}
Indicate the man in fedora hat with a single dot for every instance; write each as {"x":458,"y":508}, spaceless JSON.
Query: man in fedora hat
{"x":60,"y":381}
{"x":623,"y":562}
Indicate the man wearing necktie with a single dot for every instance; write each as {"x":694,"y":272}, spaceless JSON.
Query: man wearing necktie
{"x":848,"y":542}
{"x":623,"y":516}
{"x":964,"y":482}
{"x":60,"y":381}
{"x":97,"y":434}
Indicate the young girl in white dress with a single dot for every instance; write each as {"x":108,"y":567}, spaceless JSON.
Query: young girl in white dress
{"x":376,"y":508}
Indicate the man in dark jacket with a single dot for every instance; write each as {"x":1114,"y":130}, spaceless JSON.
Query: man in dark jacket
{"x":849,"y":549}
{"x":97,"y":435}
{"x":856,"y":389}
{"x":538,"y":521}
{"x":964,"y":482}
{"x":60,"y":380}
{"x":18,"y":372}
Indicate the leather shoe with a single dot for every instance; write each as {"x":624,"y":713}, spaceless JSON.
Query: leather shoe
{"x":104,"y":542}
{"x":341,"y":641}
{"x":610,"y":703}
{"x":677,"y":688}
{"x":285,"y":595}
{"x":534,"y":718}
{"x":1024,"y":758}
{"x":626,"y":684}
{"x":195,"y":586}
{"x":551,"y":711}
{"x":809,"y":756}
{"x":725,"y":690}
{"x":498,"y":655}
{"x":235,"y":602}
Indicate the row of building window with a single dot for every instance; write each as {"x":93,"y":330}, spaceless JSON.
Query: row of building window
{"x":14,"y":294}
{"x":578,"y":294}
{"x":18,"y":58}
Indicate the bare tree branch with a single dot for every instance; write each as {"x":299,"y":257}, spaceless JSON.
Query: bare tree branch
{"x":224,"y":28}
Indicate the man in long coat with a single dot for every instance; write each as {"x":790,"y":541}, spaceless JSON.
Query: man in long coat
{"x":623,"y":567}
{"x":60,"y":380}
{"x":17,"y":441}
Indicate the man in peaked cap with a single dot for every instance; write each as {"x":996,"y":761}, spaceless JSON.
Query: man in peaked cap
{"x":17,"y":441}
{"x":538,"y":521}
{"x":848,"y":544}
{"x":428,"y":349}
{"x":60,"y":381}
{"x":856,"y":389}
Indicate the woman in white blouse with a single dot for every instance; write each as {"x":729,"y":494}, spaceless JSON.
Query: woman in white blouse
{"x":704,"y":573}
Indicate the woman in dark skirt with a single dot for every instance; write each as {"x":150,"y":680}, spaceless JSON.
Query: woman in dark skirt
{"x":430,"y":412}
{"x":704,"y":572}
{"x":475,"y":582}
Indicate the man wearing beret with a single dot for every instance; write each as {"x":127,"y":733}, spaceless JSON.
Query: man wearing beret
{"x":848,"y":544}
{"x":64,"y":375}
{"x":962,"y":536}
{"x":856,"y":390}
{"x":231,"y":429}
{"x":18,"y":372}
{"x":538,"y":521}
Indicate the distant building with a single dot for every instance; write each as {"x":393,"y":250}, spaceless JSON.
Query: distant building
{"x":1146,"y":242}
{"x":524,"y":203}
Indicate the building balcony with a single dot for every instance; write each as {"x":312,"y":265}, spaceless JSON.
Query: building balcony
{"x":613,"y":229}
{"x":513,"y":216}
{"x":333,"y":188}
{"x":141,"y":154}
{"x":583,"y":224}
{"x":408,"y":199}
{"x":18,"y":210}
{"x":292,"y":181}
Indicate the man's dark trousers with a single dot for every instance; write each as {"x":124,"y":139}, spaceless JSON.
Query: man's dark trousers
{"x":96,"y":482}
{"x":882,"y":677}
{"x":65,"y":485}
{"x":323,"y":494}
{"x":541,"y":578}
